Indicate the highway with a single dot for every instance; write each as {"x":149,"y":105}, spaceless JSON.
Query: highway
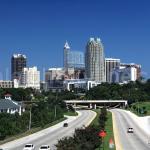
{"x":129,"y":141}
{"x":51,"y":135}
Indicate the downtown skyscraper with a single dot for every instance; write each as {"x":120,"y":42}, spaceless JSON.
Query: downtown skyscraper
{"x":94,"y":60}
{"x":18,"y":62}
{"x":73,"y":59}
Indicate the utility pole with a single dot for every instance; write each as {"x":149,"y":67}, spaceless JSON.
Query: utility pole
{"x":30,"y":118}
{"x":55,"y":111}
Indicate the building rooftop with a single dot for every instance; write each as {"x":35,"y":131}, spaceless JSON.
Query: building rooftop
{"x":66,"y":46}
{"x":112,"y":59}
{"x":50,"y":69}
{"x":19,"y":55}
{"x":6,"y":103}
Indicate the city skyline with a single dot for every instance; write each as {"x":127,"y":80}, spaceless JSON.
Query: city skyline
{"x":38,"y":30}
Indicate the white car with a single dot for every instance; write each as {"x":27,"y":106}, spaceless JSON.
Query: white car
{"x":44,"y":147}
{"x":29,"y":147}
{"x":130,"y":130}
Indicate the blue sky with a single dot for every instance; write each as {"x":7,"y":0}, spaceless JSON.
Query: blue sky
{"x":39,"y":29}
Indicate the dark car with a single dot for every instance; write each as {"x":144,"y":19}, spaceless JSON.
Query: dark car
{"x":130,"y":130}
{"x":65,"y":125}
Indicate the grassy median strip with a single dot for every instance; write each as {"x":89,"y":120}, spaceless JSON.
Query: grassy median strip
{"x":108,"y":128}
{"x":95,"y":122}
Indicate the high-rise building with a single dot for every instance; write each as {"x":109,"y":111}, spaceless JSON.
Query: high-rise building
{"x":18,"y":62}
{"x":94,"y":60}
{"x":110,"y":64}
{"x":73,"y":59}
{"x":66,"y":51}
{"x":30,"y":77}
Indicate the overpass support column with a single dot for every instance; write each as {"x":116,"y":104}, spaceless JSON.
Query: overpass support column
{"x":94,"y":106}
{"x":90,"y":106}
{"x":74,"y":105}
{"x":68,"y":87}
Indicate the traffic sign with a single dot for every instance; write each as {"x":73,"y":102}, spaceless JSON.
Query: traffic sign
{"x":111,"y":143}
{"x":102,"y":133}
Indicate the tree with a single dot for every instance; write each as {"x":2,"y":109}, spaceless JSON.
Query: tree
{"x":83,"y":139}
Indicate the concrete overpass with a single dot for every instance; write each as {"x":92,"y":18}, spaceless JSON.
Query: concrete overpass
{"x":97,"y":103}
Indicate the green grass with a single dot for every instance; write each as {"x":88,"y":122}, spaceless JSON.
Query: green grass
{"x":109,"y":131}
{"x":140,"y":105}
{"x":95,"y":121}
{"x":33,"y":130}
{"x":70,"y":113}
{"x":108,"y":128}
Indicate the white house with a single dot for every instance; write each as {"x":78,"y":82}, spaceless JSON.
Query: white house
{"x":9,"y":106}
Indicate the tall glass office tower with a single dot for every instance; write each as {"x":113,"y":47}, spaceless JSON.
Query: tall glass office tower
{"x":94,"y":60}
{"x":73,"y":59}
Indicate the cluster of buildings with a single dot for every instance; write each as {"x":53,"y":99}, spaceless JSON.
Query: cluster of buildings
{"x":89,"y":69}
{"x":80,"y":70}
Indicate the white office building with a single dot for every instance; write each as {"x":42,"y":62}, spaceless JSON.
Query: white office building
{"x":30,"y":77}
{"x":79,"y":83}
{"x":126,"y":73}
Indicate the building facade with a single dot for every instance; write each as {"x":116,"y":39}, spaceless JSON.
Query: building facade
{"x":30,"y":77}
{"x":18,"y":62}
{"x":54,"y":78}
{"x":126,"y":73}
{"x":133,"y":65}
{"x":6,"y":84}
{"x":94,"y":60}
{"x":73,"y":59}
{"x":110,"y":65}
{"x":71,"y":85}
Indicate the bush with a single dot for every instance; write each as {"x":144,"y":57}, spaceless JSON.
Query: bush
{"x":83,"y":139}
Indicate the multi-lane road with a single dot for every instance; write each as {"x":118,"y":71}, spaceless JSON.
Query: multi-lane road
{"x":138,"y":140}
{"x":122,"y":120}
{"x":51,"y":135}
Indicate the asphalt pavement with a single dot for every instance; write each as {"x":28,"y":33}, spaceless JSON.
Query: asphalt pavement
{"x":51,"y":135}
{"x":138,"y":140}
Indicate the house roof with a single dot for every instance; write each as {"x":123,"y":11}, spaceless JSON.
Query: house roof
{"x":8,"y":94}
{"x":6,"y":103}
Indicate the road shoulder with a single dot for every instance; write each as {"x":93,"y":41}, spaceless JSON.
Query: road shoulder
{"x":116,"y":133}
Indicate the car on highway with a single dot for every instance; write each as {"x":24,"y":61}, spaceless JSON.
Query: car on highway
{"x":44,"y":147}
{"x":130,"y":130}
{"x":65,"y":124}
{"x":29,"y":147}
